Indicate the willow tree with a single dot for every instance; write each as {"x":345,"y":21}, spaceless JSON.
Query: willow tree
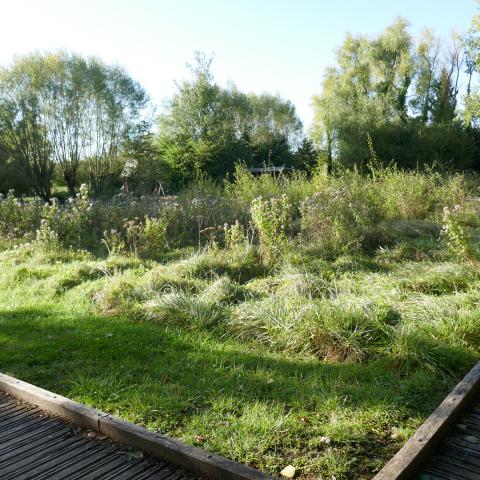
{"x":427,"y":61}
{"x":23,"y":119}
{"x":58,"y":109}
{"x":116,"y":114}
{"x":273,"y":129}
{"x":367,"y":88}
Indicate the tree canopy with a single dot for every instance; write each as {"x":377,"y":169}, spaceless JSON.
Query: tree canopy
{"x":398,"y":96}
{"x":208,"y":129}
{"x":67,"y":119}
{"x":58,"y":109}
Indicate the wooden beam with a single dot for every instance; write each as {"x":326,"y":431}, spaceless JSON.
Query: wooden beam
{"x":174,"y":451}
{"x":422,"y":444}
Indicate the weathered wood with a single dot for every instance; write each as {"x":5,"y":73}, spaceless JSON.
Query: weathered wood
{"x":46,"y":448}
{"x":423,"y":443}
{"x":173,"y":451}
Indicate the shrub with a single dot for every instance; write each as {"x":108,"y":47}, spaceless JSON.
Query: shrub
{"x":270,"y":219}
{"x":234,"y":236}
{"x":334,"y":214}
{"x":46,"y":236}
{"x":114,"y":242}
{"x":454,"y":234}
{"x":19,"y":217}
{"x":153,"y":237}
{"x":337,"y":217}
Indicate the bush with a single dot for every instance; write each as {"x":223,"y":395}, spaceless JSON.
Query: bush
{"x":153,"y":237}
{"x":455,"y":235}
{"x":336,"y":217}
{"x":19,"y":217}
{"x":334,"y":214}
{"x":270,"y":219}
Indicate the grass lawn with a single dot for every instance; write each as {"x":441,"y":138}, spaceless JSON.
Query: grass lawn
{"x":265,"y":403}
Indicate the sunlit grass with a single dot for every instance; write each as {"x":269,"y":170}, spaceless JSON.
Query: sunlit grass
{"x":325,"y":365}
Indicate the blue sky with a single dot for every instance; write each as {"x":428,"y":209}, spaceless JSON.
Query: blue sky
{"x":279,"y":46}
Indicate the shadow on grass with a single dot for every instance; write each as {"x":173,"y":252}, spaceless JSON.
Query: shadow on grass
{"x":256,"y":407}
{"x":95,"y":357}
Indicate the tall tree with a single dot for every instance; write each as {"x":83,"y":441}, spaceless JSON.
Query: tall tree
{"x":367,"y":88}
{"x":207,"y":129}
{"x":273,"y":128}
{"x":427,"y":53}
{"x":472,"y":61}
{"x":197,"y":130}
{"x":60,"y":108}
{"x":23,"y":120}
{"x":65,"y":98}
{"x":392,"y":61}
{"x":444,"y":99}
{"x":117,"y":113}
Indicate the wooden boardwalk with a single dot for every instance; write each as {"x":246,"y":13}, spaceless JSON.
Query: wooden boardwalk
{"x":447,"y":445}
{"x":458,"y":455}
{"x":36,"y":446}
{"x":46,"y":436}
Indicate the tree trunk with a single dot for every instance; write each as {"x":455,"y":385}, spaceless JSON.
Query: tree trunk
{"x":69,"y":178}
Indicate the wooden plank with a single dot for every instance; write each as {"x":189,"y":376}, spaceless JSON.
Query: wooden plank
{"x":100,"y":469}
{"x":173,"y":451}
{"x":424,"y":441}
{"x":455,"y":468}
{"x":447,"y":474}
{"x":58,"y":452}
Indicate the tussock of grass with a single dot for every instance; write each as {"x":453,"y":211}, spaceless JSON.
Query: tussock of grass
{"x":183,"y":310}
{"x":164,"y":278}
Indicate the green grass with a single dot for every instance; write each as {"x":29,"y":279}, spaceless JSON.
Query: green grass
{"x":257,"y":365}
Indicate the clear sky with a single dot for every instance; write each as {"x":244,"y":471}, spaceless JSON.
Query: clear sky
{"x":279,"y":46}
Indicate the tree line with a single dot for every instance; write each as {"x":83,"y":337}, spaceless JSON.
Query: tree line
{"x":69,"y":119}
{"x":66,"y":119}
{"x":396,"y":99}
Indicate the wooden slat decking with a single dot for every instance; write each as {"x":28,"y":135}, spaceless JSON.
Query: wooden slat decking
{"x":36,"y":446}
{"x":447,"y":445}
{"x":173,"y":457}
{"x":458,"y":456}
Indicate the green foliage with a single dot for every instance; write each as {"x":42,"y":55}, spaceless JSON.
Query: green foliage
{"x":337,"y":215}
{"x":114,"y":242}
{"x":444,"y":98}
{"x":455,"y":235}
{"x":364,"y":103}
{"x":270,"y":219}
{"x":153,"y":237}
{"x":184,"y":310}
{"x":58,"y":109}
{"x":206,"y":129}
{"x":234,"y":236}
{"x":46,"y":236}
{"x":19,"y":218}
{"x":333,"y":214}
{"x":372,"y":336}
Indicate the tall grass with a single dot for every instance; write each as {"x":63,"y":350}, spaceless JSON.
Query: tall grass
{"x":340,"y":268}
{"x":335,"y":214}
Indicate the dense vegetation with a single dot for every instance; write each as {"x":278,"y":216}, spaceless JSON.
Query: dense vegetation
{"x":313,"y":317}
{"x":413,"y":102}
{"x":272,"y":320}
